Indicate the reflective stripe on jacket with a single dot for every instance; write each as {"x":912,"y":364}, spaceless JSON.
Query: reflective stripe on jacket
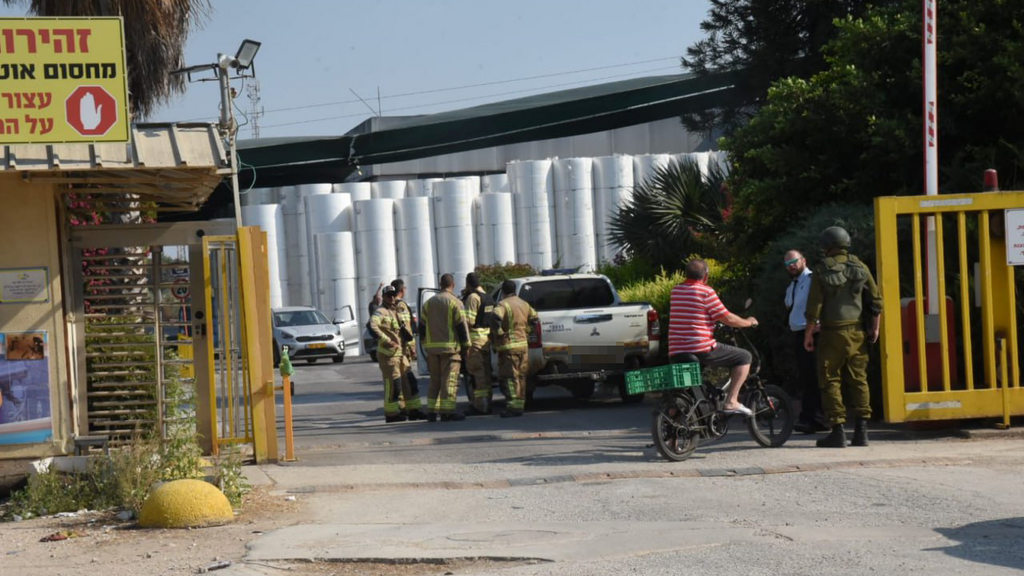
{"x":384,"y":325}
{"x":477,"y":336}
{"x":441,"y":316}
{"x":514,"y":319}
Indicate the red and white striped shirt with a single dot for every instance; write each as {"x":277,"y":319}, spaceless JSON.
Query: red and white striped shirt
{"x":695,"y":308}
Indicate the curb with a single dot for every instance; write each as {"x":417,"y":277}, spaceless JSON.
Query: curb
{"x":510,"y":436}
{"x":627,"y":475}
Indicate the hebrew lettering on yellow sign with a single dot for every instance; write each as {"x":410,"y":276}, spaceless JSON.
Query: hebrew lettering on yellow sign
{"x":62,"y":80}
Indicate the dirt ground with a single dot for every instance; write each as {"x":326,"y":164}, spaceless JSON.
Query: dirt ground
{"x":101,"y":544}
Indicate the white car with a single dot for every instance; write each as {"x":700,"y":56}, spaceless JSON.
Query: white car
{"x":309,"y":335}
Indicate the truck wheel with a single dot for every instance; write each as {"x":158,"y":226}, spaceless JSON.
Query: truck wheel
{"x":277,"y":355}
{"x":629,"y":398}
{"x":373,"y":356}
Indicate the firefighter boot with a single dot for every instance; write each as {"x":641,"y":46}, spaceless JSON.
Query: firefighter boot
{"x":836,"y":439}
{"x":860,"y":433}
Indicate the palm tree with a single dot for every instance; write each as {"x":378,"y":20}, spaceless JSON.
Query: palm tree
{"x":155,"y":34}
{"x":678,"y":212}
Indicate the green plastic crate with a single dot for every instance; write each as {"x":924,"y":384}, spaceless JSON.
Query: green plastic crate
{"x":663,"y":378}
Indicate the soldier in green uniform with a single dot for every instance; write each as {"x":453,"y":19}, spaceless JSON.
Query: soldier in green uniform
{"x":842,"y":291}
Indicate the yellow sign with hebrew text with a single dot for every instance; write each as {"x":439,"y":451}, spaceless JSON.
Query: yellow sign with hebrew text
{"x":63,"y":80}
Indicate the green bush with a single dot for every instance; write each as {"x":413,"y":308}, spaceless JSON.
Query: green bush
{"x":628,"y":271}
{"x":492,"y":275}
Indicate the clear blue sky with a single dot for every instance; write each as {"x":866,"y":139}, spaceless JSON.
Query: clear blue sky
{"x":314,"y":51}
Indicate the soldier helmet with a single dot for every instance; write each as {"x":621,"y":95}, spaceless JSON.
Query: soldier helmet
{"x":835,"y":237}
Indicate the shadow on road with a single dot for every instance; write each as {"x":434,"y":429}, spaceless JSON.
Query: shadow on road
{"x":995,"y":542}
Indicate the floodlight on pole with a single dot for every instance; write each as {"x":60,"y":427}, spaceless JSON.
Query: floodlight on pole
{"x":241,"y":61}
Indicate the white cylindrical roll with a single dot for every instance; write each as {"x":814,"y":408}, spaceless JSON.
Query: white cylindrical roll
{"x":531,"y":183}
{"x":336,"y":254}
{"x":613,"y":172}
{"x":580,"y":253}
{"x":324,"y":213}
{"x":494,"y":183}
{"x":573,"y":173}
{"x":497,"y":244}
{"x":420,"y":187}
{"x":315,"y":189}
{"x":270,"y":219}
{"x":413,"y":283}
{"x":393,"y":189}
{"x":453,"y":204}
{"x":645,"y":166}
{"x":375,"y":254}
{"x":496,"y":208}
{"x":356,"y":190}
{"x":538,"y":260}
{"x":472,"y":184}
{"x":297,"y":255}
{"x":374,"y":214}
{"x":455,"y":249}
{"x":415,"y":236}
{"x":533,"y":231}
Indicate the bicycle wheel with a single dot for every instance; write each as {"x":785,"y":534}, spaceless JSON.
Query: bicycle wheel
{"x":675,"y":433}
{"x":772,"y":422}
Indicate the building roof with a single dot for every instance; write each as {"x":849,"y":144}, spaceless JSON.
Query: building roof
{"x":178,"y":165}
{"x":290,"y":161}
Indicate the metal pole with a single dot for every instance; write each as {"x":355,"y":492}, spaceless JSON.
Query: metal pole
{"x":931,"y":143}
{"x":228,"y":127}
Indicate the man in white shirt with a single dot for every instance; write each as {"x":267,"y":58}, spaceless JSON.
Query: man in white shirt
{"x":810,"y":417}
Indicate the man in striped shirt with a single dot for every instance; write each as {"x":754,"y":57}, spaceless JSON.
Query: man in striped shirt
{"x":695,"y":308}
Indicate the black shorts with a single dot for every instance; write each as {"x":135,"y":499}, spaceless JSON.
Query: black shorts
{"x":724,"y":356}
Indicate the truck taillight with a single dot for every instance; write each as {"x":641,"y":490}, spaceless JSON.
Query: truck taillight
{"x":653,"y":326}
{"x":534,"y":339}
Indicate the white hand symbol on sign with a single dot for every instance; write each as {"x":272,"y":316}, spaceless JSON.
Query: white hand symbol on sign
{"x":91,"y":113}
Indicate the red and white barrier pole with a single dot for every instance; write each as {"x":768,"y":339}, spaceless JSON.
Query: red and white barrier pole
{"x":931,"y":144}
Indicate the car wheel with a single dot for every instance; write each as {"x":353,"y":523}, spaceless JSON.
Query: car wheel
{"x":373,"y":356}
{"x":338,"y":359}
{"x":277,"y":355}
{"x":311,"y":361}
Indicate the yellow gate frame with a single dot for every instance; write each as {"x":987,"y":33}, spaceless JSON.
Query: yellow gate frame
{"x":1000,"y":394}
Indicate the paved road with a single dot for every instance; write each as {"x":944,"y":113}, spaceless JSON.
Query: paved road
{"x":574,"y":486}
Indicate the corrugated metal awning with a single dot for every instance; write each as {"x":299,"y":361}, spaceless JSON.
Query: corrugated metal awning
{"x":174,"y":165}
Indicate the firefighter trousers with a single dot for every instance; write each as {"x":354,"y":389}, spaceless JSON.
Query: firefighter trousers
{"x":444,"y":381}
{"x":478,"y":364}
{"x":512,"y":367}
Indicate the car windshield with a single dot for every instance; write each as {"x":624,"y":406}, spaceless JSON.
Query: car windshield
{"x":299,"y":318}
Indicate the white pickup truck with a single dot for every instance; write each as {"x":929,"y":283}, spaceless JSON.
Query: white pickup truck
{"x":588,"y":334}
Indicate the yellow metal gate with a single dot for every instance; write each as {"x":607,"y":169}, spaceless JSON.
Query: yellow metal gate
{"x":241,"y":392}
{"x":974,"y":337}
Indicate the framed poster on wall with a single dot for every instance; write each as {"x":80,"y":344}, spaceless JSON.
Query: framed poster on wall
{"x":24,"y":388}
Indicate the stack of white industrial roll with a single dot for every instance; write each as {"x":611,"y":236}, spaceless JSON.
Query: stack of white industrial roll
{"x":393,"y":189}
{"x":496,"y":234}
{"x":420,"y":188}
{"x":574,"y":212}
{"x":453,"y":221}
{"x":645,"y":166}
{"x":356,"y":190}
{"x":613,"y":187}
{"x":325,"y":213}
{"x":531,"y":185}
{"x":297,"y":245}
{"x":415,"y":231}
{"x":270,"y":219}
{"x":258,"y":196}
{"x":494,"y":183}
{"x":375,"y":248}
{"x":336,"y":262}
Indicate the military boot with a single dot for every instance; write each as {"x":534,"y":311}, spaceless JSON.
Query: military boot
{"x":860,"y":433}
{"x":836,"y":439}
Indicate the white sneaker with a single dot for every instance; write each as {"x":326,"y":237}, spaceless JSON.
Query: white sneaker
{"x":741,"y":409}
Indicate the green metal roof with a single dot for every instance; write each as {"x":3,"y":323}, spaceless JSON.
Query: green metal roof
{"x":290,"y":161}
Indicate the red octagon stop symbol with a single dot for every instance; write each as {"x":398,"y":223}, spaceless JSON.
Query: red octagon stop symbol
{"x":91,"y":110}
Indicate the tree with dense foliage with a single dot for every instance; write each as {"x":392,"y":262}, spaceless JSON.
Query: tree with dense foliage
{"x":853,"y":131}
{"x":155,"y":34}
{"x":768,"y":40}
{"x":679,"y":211}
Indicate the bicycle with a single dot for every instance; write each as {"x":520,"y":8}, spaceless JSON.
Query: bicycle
{"x":684,"y":416}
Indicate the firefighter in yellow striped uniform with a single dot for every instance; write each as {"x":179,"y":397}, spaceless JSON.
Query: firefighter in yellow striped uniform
{"x":479,"y":307}
{"x":387,"y":327}
{"x":410,"y":387}
{"x":511,"y":325}
{"x":444,"y":333}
